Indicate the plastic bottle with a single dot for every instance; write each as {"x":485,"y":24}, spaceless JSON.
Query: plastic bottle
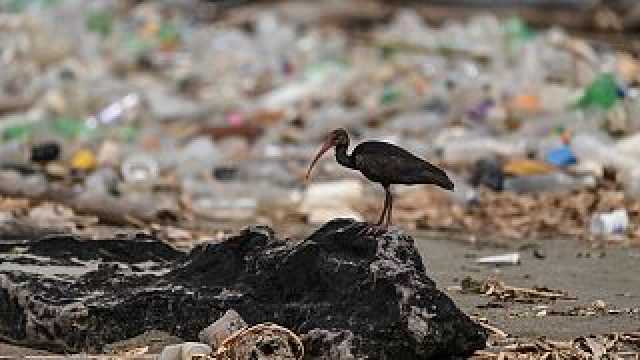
{"x":631,"y":182}
{"x":13,"y":152}
{"x":271,"y":171}
{"x":103,"y":180}
{"x":140,"y":169}
{"x":555,"y":182}
{"x":417,"y":123}
{"x":562,"y":156}
{"x":116,"y":111}
{"x":463,"y":193}
{"x":629,"y":146}
{"x":199,"y":156}
{"x":471,"y":149}
{"x":603,"y":92}
{"x":489,"y":173}
{"x":17,"y":133}
{"x":222,"y":200}
{"x":615,"y":222}
{"x":589,"y":147}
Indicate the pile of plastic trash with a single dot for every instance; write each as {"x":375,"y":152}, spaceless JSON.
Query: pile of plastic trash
{"x":150,"y":103}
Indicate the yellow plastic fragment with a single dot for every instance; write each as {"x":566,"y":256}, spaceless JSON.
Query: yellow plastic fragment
{"x":84,"y":159}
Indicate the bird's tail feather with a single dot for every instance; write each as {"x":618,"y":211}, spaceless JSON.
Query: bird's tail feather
{"x":440,"y":178}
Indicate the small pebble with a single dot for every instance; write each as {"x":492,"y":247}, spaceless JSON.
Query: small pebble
{"x":56,"y":170}
{"x":599,"y":304}
{"x":539,"y":254}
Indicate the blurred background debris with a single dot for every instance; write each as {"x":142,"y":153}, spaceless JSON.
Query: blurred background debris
{"x":201,"y":115}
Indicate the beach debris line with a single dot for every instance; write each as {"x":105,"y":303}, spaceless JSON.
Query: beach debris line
{"x":501,"y":291}
{"x":624,"y":345}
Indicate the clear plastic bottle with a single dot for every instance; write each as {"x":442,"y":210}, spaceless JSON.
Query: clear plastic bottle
{"x":589,"y":147}
{"x":463,"y":193}
{"x":104,"y":180}
{"x":555,"y":182}
{"x":221,"y":200}
{"x":140,"y":170}
{"x":199,"y":156}
{"x":631,"y":181}
{"x":271,"y":171}
{"x":471,"y":149}
{"x":13,"y":152}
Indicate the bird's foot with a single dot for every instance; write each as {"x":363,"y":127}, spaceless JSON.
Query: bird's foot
{"x":372,"y":230}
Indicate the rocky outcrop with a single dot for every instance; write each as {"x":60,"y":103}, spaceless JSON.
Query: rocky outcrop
{"x":349,"y":296}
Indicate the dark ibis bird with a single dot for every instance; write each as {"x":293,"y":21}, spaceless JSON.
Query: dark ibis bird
{"x":385,"y":164}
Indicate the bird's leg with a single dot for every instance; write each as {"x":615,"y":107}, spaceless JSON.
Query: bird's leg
{"x":385,"y":207}
{"x":389,"y":207}
{"x":380,"y":228}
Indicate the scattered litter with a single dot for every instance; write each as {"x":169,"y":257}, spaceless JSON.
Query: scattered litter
{"x":84,"y":160}
{"x":526,"y":167}
{"x":500,"y":291}
{"x":322,"y":202}
{"x":609,"y":346}
{"x":506,"y":259}
{"x":561,"y":157}
{"x":494,"y":330}
{"x":216,"y":333}
{"x":597,"y":308}
{"x":615,"y":222}
{"x":132,"y":353}
{"x":488,"y":173}
{"x":188,"y":351}
{"x":284,"y":344}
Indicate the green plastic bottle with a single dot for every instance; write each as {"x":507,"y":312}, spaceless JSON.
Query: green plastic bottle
{"x":603,"y":93}
{"x":100,"y":22}
{"x":389,"y":95}
{"x":71,"y":128}
{"x":168,"y":34}
{"x":17,"y":133}
{"x":518,"y":30}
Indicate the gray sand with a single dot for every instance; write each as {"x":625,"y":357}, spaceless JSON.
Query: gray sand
{"x":610,"y":275}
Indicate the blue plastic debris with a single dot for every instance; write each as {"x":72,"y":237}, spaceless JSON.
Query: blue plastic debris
{"x":561,"y":157}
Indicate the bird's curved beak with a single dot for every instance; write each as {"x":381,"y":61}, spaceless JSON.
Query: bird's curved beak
{"x":325,"y":147}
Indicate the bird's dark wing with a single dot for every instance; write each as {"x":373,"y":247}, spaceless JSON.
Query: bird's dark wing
{"x":389,"y":164}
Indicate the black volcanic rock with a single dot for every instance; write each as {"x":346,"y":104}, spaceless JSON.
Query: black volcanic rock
{"x":350,"y":296}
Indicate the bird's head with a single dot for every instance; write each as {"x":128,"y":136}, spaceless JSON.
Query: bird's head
{"x":337,"y":137}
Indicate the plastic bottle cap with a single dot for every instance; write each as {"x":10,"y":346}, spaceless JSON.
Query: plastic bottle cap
{"x":84,"y":160}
